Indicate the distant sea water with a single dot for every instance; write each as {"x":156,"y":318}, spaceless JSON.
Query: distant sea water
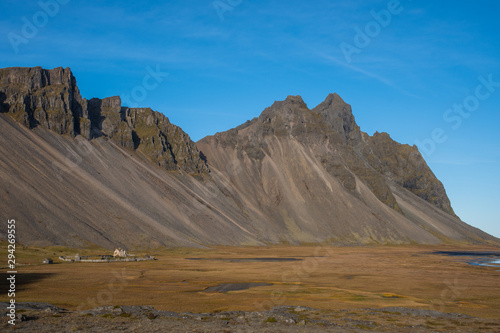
{"x":476,"y":258}
{"x":486,"y":262}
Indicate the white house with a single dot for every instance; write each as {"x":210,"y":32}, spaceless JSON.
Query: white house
{"x":120,"y":253}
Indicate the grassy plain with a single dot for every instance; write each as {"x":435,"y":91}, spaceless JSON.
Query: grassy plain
{"x":326,"y":278}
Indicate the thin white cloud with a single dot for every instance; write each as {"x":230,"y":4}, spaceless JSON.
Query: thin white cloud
{"x":464,"y":162}
{"x":377,"y":77}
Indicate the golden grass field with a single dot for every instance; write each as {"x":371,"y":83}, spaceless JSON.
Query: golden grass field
{"x":326,"y":278}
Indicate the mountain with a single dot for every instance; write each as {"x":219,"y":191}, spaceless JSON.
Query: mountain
{"x":79,"y":172}
{"x":312,"y":174}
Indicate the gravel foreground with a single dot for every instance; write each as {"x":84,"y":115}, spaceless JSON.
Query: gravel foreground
{"x":44,"y":317}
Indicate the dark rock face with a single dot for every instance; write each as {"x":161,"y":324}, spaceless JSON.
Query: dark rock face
{"x":166,"y":144}
{"x":406,"y":167}
{"x":50,"y":99}
{"x":338,"y":116}
{"x":39,"y":97}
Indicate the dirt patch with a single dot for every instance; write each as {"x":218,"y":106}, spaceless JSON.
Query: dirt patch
{"x":248,"y":259}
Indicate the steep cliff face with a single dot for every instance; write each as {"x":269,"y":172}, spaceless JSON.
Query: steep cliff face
{"x":39,"y":97}
{"x":400,"y":163}
{"x":404,"y":165}
{"x":166,"y":144}
{"x":50,"y":99}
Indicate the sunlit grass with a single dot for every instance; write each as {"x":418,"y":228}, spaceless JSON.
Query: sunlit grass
{"x":338,"y":278}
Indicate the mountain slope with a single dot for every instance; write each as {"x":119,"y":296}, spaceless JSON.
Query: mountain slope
{"x":70,"y":191}
{"x":78,"y":172}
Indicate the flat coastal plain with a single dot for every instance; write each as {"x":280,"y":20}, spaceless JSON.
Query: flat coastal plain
{"x":253,"y":279}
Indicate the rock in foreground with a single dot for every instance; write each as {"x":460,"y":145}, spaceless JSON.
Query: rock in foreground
{"x":279,"y":319}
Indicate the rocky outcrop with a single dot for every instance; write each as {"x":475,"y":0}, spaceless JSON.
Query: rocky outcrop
{"x":39,"y":97}
{"x":338,"y":116}
{"x":166,"y":144}
{"x":404,"y":165}
{"x":50,"y":99}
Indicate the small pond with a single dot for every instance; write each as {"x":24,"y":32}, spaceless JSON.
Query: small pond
{"x":226,"y":287}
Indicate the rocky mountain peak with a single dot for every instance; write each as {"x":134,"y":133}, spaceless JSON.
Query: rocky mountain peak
{"x":332,"y":118}
{"x":337,"y":114}
{"x":333,"y":99}
{"x":284,"y":118}
{"x":291,"y":107}
{"x":297,"y":99}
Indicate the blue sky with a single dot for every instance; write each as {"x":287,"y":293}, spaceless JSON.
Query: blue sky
{"x":418,"y":70}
